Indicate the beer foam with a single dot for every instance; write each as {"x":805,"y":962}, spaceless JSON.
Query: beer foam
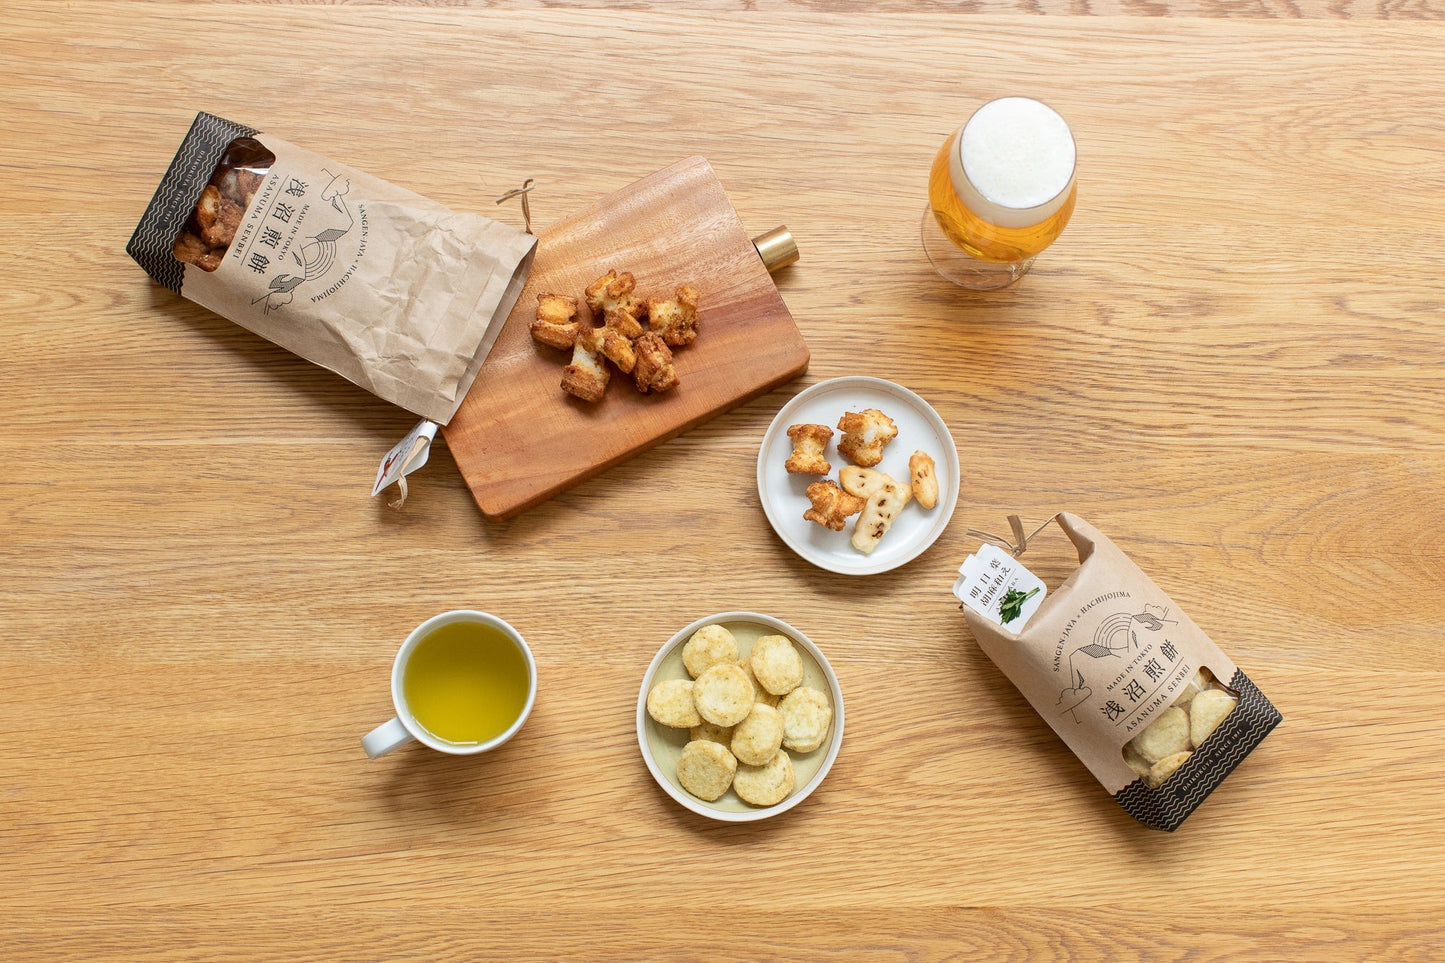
{"x":1014,"y":163}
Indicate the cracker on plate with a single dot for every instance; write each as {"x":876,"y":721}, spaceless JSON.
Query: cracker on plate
{"x":709,"y":646}
{"x":723,"y":695}
{"x":706,"y":769}
{"x":765,"y":785}
{"x":806,"y":719}
{"x":671,"y":703}
{"x":776,"y":664}
{"x":758,"y":737}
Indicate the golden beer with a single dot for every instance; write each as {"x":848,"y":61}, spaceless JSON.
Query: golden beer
{"x":1001,"y":189}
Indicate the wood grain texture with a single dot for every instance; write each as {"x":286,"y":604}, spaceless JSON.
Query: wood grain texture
{"x":1231,"y":362}
{"x":1231,"y":9}
{"x":519,"y":440}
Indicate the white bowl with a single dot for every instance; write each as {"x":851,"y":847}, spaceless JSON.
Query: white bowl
{"x":919,"y":428}
{"x":661,"y":745}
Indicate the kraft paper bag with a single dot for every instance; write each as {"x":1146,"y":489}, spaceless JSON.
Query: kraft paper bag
{"x":392,"y":291}
{"x":1102,"y":659}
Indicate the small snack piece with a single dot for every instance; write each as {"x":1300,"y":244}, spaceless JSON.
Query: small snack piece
{"x":806,"y":718}
{"x":776,"y":664}
{"x":760,"y":695}
{"x":613,"y":292}
{"x":758,"y":737}
{"x":706,"y":769}
{"x":1206,"y":712}
{"x":879,"y":512}
{"x":556,"y":325}
{"x":831,"y":505}
{"x":709,"y":646}
{"x":1165,"y":768}
{"x":864,"y":435}
{"x":1186,"y":696}
{"x":862,"y":481}
{"x":239,"y":185}
{"x":765,"y":785}
{"x":675,"y":321}
{"x":723,"y":695}
{"x":654,"y":370}
{"x":618,"y":349}
{"x":671,"y":703}
{"x":1165,"y":736}
{"x":925,"y":480}
{"x":192,"y":250}
{"x":1138,"y":763}
{"x":623,"y":323}
{"x":722,"y":735}
{"x":586,"y":377}
{"x":809,"y":441}
{"x":218,"y":217}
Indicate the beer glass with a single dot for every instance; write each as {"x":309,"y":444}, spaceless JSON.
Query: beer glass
{"x":1000,"y":191}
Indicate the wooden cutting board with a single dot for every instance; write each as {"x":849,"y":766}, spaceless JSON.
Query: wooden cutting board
{"x":519,"y":439}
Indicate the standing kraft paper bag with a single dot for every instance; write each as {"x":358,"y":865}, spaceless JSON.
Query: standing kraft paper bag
{"x":1119,"y":672}
{"x":392,"y":291}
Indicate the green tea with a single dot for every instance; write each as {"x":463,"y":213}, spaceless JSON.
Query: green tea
{"x":466,"y":683}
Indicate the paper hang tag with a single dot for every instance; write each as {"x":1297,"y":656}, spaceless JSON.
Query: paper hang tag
{"x":986,"y":578}
{"x":407,"y":456}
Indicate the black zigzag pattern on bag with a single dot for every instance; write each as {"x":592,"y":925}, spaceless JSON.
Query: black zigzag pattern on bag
{"x":190,"y":170}
{"x":1168,"y":806}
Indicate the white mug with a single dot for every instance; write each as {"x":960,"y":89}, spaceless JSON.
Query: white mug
{"x":404,"y":728}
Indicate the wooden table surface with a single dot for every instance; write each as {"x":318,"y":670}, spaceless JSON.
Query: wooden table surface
{"x":1232,"y":362}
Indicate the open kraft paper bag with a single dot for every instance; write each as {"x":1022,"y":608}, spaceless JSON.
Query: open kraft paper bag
{"x":394,"y":292}
{"x":1103,"y":658}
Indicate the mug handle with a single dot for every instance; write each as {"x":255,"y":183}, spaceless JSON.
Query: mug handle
{"x":386,"y":737}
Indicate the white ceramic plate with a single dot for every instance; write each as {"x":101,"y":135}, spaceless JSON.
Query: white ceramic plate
{"x":661,"y":745}
{"x":919,"y":429}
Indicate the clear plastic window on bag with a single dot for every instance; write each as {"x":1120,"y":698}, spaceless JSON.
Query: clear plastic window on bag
{"x":212,"y":225}
{"x":1167,"y":743}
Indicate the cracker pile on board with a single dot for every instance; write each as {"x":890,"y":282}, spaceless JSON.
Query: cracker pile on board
{"x":875,"y":497}
{"x":644,"y":352}
{"x":744,"y":715}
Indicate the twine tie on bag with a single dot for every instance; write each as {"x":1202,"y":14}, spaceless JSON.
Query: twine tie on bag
{"x":1021,"y":541}
{"x":521,"y":192}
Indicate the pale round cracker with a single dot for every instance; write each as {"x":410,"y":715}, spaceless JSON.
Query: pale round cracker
{"x":671,"y":703}
{"x":723,"y":695}
{"x":722,"y":735}
{"x":1136,"y":762}
{"x":759,"y":693}
{"x":709,"y":646}
{"x":765,"y":785}
{"x":1206,"y":712}
{"x":1165,"y":768}
{"x":1186,"y":696}
{"x":776,"y":664}
{"x":806,"y":719}
{"x":758,"y":737}
{"x":706,"y":769}
{"x":1165,"y":736}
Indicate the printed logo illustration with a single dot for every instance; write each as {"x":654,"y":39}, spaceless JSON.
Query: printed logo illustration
{"x":317,"y":254}
{"x":1116,"y":638}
